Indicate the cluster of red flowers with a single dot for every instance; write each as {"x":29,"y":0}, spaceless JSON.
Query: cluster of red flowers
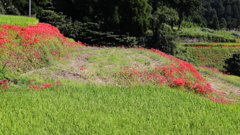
{"x":171,"y":75}
{"x":44,"y":86}
{"x":4,"y":84}
{"x":179,"y":81}
{"x":210,"y":68}
{"x":178,"y":73}
{"x":81,"y":68}
{"x":221,"y":100}
{"x":34,"y":44}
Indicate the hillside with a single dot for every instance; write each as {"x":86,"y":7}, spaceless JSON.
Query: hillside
{"x":50,"y":85}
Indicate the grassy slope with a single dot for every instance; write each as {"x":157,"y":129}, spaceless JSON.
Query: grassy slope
{"x":17,"y":20}
{"x":198,"y":48}
{"x":87,"y":102}
{"x":204,"y":35}
{"x":96,"y":108}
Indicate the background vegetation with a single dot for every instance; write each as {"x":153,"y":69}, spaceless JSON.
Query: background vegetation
{"x":132,"y":22}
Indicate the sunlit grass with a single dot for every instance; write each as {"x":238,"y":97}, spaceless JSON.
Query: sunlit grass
{"x":17,"y":20}
{"x":206,"y":34}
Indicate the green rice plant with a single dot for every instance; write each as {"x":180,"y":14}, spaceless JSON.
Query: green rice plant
{"x":18,"y":20}
{"x":76,"y":108}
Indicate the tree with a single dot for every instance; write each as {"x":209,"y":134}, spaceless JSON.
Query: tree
{"x":223,"y":23}
{"x":229,"y":22}
{"x":184,"y":8}
{"x":21,"y":6}
{"x":228,"y":10}
{"x":134,"y":17}
{"x":7,"y":7}
{"x":163,"y":36}
{"x":163,"y":15}
{"x":163,"y":39}
{"x":218,"y":6}
{"x":155,"y":4}
{"x":214,"y":23}
{"x":120,"y":16}
{"x":236,"y":15}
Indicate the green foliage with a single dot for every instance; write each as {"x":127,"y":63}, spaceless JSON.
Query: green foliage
{"x":7,"y":7}
{"x":185,"y":8}
{"x":162,"y":34}
{"x":120,"y":17}
{"x":227,"y":13}
{"x":135,"y":17}
{"x":233,"y":64}
{"x":163,"y":39}
{"x":163,"y":15}
{"x":60,"y":21}
{"x":5,"y":74}
{"x":223,"y":23}
{"x":90,"y":32}
{"x":20,"y":7}
{"x":215,"y":23}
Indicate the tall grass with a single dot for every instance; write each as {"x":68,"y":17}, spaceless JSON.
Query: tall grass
{"x":73,"y":108}
{"x":17,"y":20}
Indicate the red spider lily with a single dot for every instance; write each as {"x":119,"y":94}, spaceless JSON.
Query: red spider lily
{"x":4,"y":86}
{"x":3,"y":81}
{"x":47,"y":85}
{"x":179,"y":81}
{"x":81,"y":68}
{"x":34,"y":87}
{"x":58,"y":82}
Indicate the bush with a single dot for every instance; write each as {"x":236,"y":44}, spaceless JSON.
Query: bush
{"x":92,"y":33}
{"x":233,"y":64}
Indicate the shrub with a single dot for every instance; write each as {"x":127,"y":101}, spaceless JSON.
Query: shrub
{"x":233,"y":64}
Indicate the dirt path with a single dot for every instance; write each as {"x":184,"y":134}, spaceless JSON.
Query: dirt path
{"x":232,"y":91}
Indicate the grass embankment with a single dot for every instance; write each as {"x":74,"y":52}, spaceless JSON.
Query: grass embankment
{"x":206,"y":35}
{"x":91,"y":90}
{"x":207,"y":44}
{"x":17,"y":20}
{"x":207,"y":54}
